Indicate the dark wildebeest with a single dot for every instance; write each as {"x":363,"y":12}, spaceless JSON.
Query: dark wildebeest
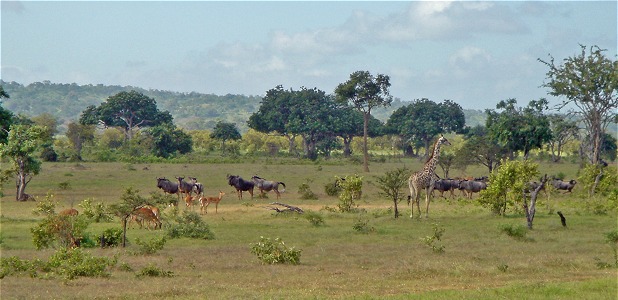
{"x":241,"y":185}
{"x":267,"y":185}
{"x":198,"y":188}
{"x":185,"y":187}
{"x":168,"y":187}
{"x":446,"y":185}
{"x":472,"y":186}
{"x":564,"y":185}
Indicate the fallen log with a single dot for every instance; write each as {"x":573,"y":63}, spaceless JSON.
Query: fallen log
{"x":288,"y":208}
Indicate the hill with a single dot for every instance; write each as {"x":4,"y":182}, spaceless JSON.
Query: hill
{"x":190,"y":110}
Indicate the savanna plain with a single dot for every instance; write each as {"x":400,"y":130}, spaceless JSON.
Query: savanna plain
{"x":390,"y":260}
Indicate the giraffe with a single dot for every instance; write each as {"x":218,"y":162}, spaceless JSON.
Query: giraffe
{"x":425,"y":179}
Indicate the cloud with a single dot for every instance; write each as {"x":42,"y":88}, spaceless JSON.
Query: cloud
{"x":13,"y":6}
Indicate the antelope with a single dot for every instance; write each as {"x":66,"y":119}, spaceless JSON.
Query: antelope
{"x":189,"y":200}
{"x":205,"y":201}
{"x":146,"y":214}
{"x":69,"y":212}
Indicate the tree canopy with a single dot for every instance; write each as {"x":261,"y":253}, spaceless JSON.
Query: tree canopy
{"x":128,"y":110}
{"x":589,"y":81}
{"x":364,"y":92}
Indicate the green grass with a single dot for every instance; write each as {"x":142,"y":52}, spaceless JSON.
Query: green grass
{"x":479,"y":261}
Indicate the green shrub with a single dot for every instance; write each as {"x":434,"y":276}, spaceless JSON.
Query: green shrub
{"x":517,"y":232}
{"x":153,"y":271}
{"x":315,"y":218}
{"x":95,"y":212}
{"x":112,"y":237}
{"x":72,"y":263}
{"x":332,"y":189}
{"x":190,"y":225}
{"x":305,"y":192}
{"x":431,"y":240}
{"x":351,"y":192}
{"x":151,"y":246}
{"x":269,"y":252}
{"x":362,"y":226}
{"x":611,"y":238}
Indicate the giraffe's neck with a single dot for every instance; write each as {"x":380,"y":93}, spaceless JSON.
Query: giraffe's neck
{"x":430,"y":165}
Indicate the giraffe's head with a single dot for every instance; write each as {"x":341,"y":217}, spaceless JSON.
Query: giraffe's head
{"x":443,"y":140}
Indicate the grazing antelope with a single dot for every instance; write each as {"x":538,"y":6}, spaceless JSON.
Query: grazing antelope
{"x":205,"y":201}
{"x":146,"y":214}
{"x":69,"y":212}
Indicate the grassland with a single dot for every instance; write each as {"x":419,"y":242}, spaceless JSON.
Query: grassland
{"x":390,"y":262}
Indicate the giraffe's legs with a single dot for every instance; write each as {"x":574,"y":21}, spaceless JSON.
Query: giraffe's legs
{"x":427,"y":200}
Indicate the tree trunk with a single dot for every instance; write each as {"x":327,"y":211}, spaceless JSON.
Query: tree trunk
{"x":365,"y":134}
{"x":124,"y":231}
{"x":347,"y":151}
{"x":530,"y":210}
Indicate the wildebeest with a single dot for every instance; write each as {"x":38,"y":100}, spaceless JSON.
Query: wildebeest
{"x":472,"y":186}
{"x":241,"y":185}
{"x":168,"y":187}
{"x":445,"y":185}
{"x":198,"y":188}
{"x":564,"y":185}
{"x":184,"y":187}
{"x":267,"y":185}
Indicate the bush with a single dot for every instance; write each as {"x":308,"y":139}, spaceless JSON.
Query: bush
{"x":112,"y":237}
{"x":430,"y":240}
{"x":306,"y":193}
{"x":151,"y":246}
{"x":153,"y":271}
{"x":352,"y":190}
{"x":95,"y":212}
{"x":269,"y":252}
{"x":517,"y":232}
{"x":332,"y":189}
{"x":190,"y":225}
{"x":362,"y":226}
{"x":314,"y":218}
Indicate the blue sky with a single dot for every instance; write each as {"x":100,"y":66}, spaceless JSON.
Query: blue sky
{"x":474,"y":53}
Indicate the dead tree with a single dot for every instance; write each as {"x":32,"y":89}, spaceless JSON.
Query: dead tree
{"x":530,"y":209}
{"x":288,"y":208}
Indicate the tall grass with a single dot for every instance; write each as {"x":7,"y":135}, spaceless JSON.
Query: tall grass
{"x":479,"y":260}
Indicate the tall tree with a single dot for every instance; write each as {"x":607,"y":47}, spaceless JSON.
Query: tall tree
{"x":589,"y":81}
{"x":364,"y":92}
{"x":519,"y":129}
{"x":128,"y":110}
{"x":22,"y":143}
{"x":168,"y":139}
{"x":224,"y":131}
{"x":274,"y":114}
{"x":479,"y":148}
{"x":423,"y":120}
{"x":79,"y":134}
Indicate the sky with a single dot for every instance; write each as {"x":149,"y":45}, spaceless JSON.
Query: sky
{"x":473,"y":53}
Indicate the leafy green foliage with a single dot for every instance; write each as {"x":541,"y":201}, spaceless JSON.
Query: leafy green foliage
{"x":151,"y":246}
{"x":22,"y":143}
{"x":112,"y":237}
{"x":275,"y":252}
{"x":153,"y":271}
{"x":57,"y":230}
{"x":607,"y":182}
{"x":315,"y":218}
{"x":431,"y":240}
{"x":95,"y":212}
{"x":190,"y":225}
{"x":517,"y":232}
{"x":306,"y":193}
{"x":67,"y":264}
{"x":362,"y":226}
{"x":352,"y":187}
{"x":611,"y":238}
{"x":332,"y":189}
{"x":168,"y":139}
{"x":507,"y":184}
{"x":392,"y":185}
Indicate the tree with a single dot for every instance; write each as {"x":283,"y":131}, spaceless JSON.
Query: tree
{"x":364,"y":92}
{"x":131,"y":201}
{"x":423,"y":120}
{"x":518,"y":129}
{"x":479,"y":148}
{"x":128,"y":110}
{"x":79,"y":134}
{"x":168,"y":139}
{"x":274,"y":114}
{"x":349,"y":123}
{"x":6,"y":117}
{"x":22,"y":143}
{"x":563,"y":130}
{"x":225,"y":131}
{"x":589,"y":81}
{"x":392,"y":184}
